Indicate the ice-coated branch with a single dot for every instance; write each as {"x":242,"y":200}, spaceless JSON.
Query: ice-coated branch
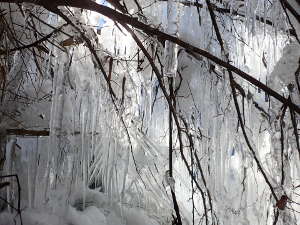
{"x":34,"y":44}
{"x":125,"y":19}
{"x":221,"y":42}
{"x":234,"y":12}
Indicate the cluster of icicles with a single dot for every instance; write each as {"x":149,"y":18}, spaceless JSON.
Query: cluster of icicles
{"x":120,"y":147}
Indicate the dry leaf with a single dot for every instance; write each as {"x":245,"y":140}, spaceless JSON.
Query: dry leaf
{"x":111,"y":60}
{"x":2,"y":75}
{"x":2,"y":161}
{"x":3,"y":185}
{"x":281,"y":203}
{"x":42,"y":49}
{"x":70,"y":42}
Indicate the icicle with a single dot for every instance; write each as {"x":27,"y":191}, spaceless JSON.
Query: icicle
{"x":171,"y":49}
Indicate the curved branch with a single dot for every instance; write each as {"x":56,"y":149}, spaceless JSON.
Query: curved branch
{"x":125,"y":19}
{"x":34,"y":44}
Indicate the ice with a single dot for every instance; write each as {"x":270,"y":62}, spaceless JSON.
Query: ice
{"x":106,"y":159}
{"x":171,"y":49}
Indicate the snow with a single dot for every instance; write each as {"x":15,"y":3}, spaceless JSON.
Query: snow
{"x":287,"y":66}
{"x":98,"y":211}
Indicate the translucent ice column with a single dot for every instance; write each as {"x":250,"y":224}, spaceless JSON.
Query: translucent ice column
{"x":170,"y":52}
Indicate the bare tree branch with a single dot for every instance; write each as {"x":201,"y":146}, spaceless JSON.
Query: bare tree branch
{"x":125,"y":19}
